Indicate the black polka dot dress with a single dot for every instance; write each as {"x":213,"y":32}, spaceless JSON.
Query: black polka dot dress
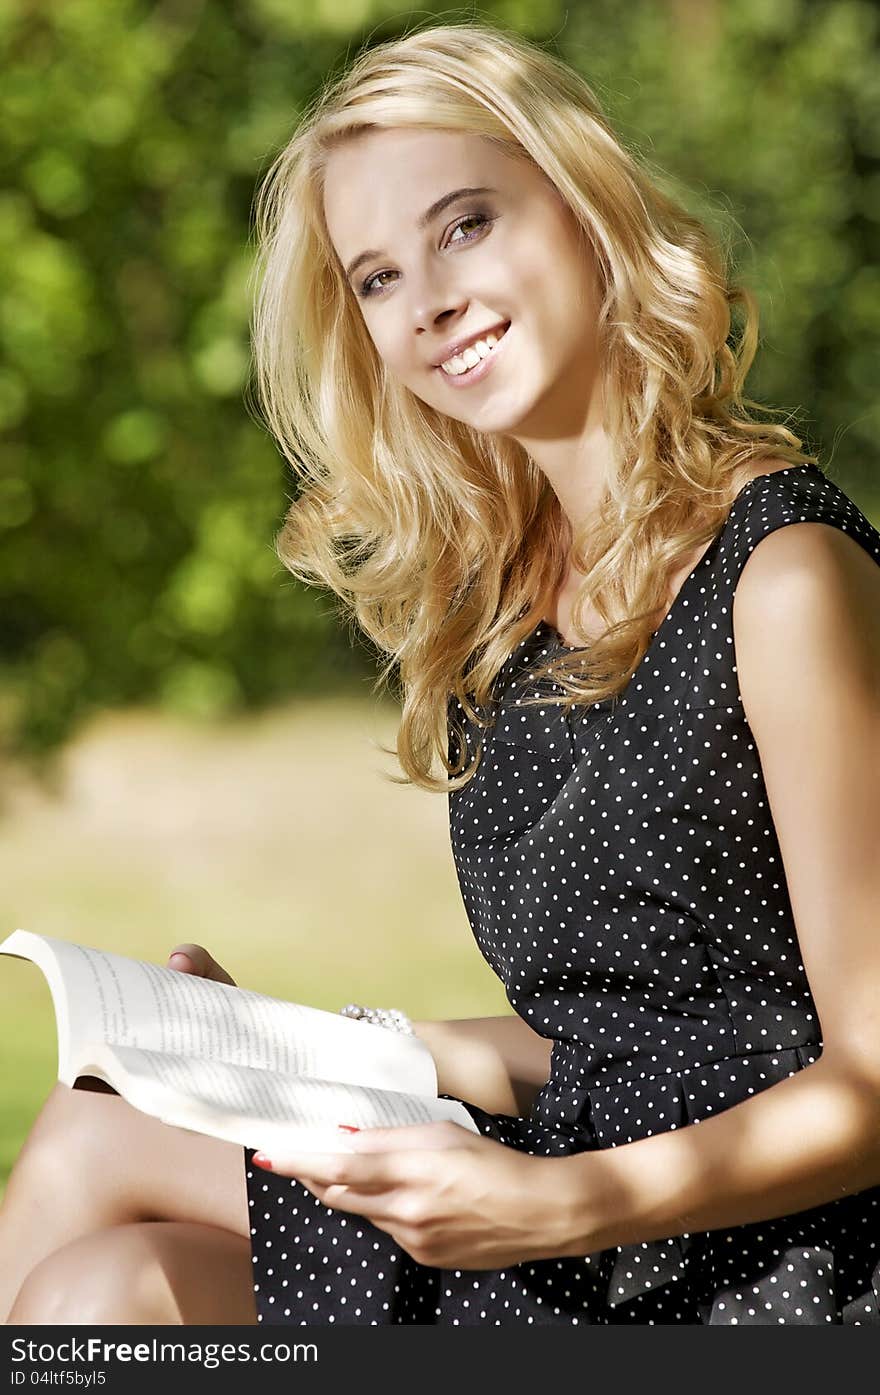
{"x":622,"y":876}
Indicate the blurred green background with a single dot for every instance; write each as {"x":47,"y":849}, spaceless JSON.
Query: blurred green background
{"x":187,"y":735}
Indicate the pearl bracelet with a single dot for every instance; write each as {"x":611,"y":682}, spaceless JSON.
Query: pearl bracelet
{"x":392,"y":1018}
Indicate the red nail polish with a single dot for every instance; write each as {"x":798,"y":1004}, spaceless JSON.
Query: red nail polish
{"x":349,"y":1128}
{"x":262,"y":1161}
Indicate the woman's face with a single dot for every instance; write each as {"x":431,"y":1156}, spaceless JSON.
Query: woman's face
{"x":508,"y":256}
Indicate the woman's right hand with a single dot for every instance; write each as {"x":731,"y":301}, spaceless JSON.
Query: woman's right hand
{"x":195,"y":959}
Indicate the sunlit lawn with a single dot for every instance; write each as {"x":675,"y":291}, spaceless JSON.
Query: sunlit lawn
{"x":275,"y":841}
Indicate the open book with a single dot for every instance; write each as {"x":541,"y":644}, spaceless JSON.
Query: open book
{"x":224,"y":1061}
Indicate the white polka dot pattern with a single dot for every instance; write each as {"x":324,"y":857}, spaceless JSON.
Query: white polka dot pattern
{"x":622,"y":876}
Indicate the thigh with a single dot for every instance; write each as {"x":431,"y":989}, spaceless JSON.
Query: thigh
{"x":124,"y":1165}
{"x":156,"y":1272}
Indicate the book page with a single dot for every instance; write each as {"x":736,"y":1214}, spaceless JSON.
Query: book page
{"x":257,"y":1109}
{"x":104,"y":997}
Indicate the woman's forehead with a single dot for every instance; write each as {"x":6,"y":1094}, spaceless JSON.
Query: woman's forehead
{"x":406,"y":170}
{"x":412,"y":159}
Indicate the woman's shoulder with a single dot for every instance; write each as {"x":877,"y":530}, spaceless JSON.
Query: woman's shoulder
{"x":836,"y":542}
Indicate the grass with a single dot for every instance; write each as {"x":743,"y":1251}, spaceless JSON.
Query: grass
{"x":274,"y":841}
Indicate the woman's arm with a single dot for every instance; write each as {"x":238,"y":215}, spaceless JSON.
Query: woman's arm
{"x":803,"y":1142}
{"x":807,"y":634}
{"x":498,"y":1063}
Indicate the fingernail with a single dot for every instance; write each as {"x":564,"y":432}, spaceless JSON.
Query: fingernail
{"x":262,"y":1161}
{"x":350,"y":1128}
{"x":178,"y":956}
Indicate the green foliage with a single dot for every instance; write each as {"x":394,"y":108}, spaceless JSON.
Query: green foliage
{"x":767,"y":114}
{"x":138,"y":497}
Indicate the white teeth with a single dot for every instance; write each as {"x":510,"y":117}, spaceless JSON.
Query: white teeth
{"x":460,"y":363}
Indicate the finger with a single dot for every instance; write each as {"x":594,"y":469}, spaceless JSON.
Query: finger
{"x":379,"y":1207}
{"x":182,"y":962}
{"x":367,"y":1201}
{"x":219,"y":974}
{"x":386,"y":1209}
{"x":373,"y":1172}
{"x":441,"y":1133}
{"x":190,"y":959}
{"x":195,"y":959}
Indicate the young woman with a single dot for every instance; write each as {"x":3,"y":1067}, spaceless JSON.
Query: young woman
{"x":657,"y":702}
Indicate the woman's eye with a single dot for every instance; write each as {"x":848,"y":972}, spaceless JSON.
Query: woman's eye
{"x":479,"y":218}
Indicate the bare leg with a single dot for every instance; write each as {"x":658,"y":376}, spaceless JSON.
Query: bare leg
{"x":91,"y":1161}
{"x":154,"y":1272}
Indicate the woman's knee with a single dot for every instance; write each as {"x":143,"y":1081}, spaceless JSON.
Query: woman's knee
{"x":110,"y":1276}
{"x":150,"y":1273}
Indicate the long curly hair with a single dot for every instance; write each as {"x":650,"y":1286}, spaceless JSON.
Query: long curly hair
{"x":444,"y":543}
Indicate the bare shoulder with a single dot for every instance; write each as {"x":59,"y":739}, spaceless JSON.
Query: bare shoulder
{"x":806,"y":613}
{"x":809,"y":559}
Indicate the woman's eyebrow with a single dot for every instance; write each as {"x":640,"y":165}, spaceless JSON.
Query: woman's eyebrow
{"x":437,"y":207}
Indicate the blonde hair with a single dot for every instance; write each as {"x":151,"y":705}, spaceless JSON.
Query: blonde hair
{"x":444,"y":543}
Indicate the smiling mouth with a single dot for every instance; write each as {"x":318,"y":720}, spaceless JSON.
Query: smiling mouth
{"x":463,"y":372}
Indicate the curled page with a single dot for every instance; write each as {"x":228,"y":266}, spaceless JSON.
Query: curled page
{"x":256,"y":1108}
{"x":104,"y":997}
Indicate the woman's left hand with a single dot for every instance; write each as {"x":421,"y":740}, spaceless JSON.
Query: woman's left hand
{"x":449,"y":1197}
